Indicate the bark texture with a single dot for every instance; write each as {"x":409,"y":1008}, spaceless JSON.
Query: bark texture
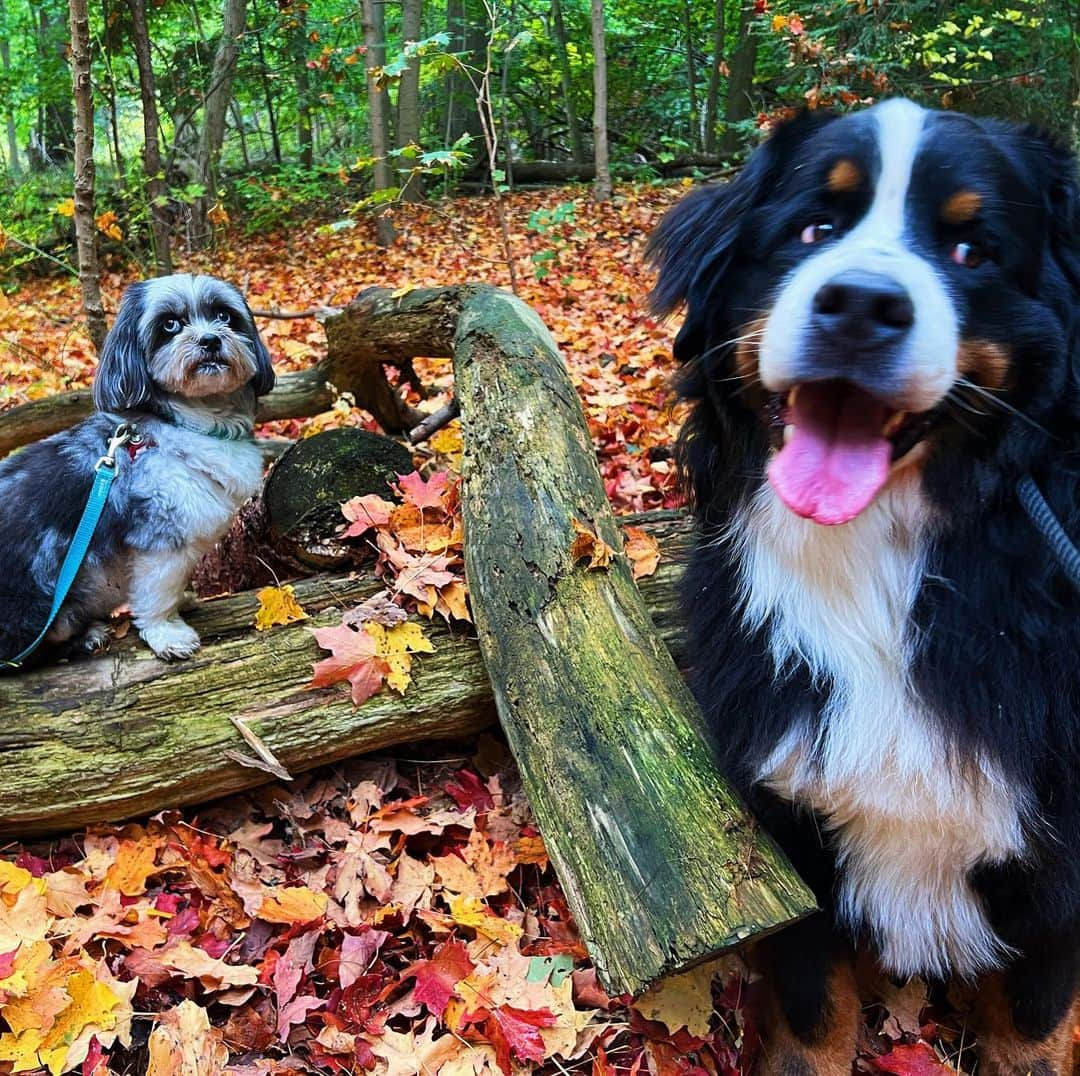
{"x":661,"y":863}
{"x":602,"y":183}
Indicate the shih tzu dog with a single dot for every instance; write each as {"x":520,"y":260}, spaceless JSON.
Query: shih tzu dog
{"x":184,"y":364}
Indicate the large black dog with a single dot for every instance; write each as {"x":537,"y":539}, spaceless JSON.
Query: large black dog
{"x":882,"y":340}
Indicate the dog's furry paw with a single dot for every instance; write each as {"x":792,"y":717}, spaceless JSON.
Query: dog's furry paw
{"x":171,"y":639}
{"x":189,"y":601}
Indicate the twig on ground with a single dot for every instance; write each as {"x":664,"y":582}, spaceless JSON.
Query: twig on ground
{"x":435,"y":422}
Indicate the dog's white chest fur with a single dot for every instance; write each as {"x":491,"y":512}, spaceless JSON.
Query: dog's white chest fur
{"x":908,"y":827}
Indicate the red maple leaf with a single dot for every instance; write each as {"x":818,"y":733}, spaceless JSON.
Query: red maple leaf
{"x":364,"y":513}
{"x":470,"y":791}
{"x":516,"y":1031}
{"x":436,"y":978}
{"x":353,"y":660}
{"x":423,"y":494}
{"x":917,"y":1059}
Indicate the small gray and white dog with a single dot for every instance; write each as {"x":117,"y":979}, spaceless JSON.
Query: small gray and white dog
{"x":185,"y":364}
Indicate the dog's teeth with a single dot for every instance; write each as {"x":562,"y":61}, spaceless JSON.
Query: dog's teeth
{"x":894,"y":423}
{"x":789,"y":430}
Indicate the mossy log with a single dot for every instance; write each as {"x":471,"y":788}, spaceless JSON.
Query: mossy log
{"x":373,"y":331}
{"x":661,"y":863}
{"x":123,"y":734}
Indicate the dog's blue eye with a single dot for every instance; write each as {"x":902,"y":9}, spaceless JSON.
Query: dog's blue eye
{"x":816,"y":233}
{"x":172,"y":326}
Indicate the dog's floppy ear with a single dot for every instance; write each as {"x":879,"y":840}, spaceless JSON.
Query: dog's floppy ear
{"x":122,"y":381}
{"x":695,"y":242}
{"x":263,"y":381}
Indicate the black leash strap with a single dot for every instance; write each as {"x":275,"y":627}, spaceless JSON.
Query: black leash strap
{"x":1048,"y":525}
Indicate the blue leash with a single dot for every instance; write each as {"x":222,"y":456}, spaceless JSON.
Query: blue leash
{"x":1047,"y":524}
{"x":104,"y":474}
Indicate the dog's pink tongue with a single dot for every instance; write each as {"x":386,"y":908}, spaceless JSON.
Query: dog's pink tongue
{"x":836,"y":459}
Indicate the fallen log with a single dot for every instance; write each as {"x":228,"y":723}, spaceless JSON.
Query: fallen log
{"x":661,"y":864}
{"x":124,"y":734}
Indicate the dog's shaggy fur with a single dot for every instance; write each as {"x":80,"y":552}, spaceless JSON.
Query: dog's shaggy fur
{"x":881,"y":339}
{"x":185,"y":364}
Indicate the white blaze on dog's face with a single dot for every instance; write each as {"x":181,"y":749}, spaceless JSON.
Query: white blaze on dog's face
{"x":861,"y":335}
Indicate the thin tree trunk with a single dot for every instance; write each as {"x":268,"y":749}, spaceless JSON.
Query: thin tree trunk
{"x":691,"y":77}
{"x":378,"y":112}
{"x":215,"y":110}
{"x":114,"y":119}
{"x":12,"y":136}
{"x":573,"y":130}
{"x":85,"y":228}
{"x":504,"y":111}
{"x":407,"y":129}
{"x":602,"y":183}
{"x":302,"y":79}
{"x":275,"y":141}
{"x":739,"y":107}
{"x":156,"y":188}
{"x":712,"y":101}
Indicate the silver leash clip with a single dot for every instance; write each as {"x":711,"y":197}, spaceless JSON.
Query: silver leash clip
{"x":123,"y":434}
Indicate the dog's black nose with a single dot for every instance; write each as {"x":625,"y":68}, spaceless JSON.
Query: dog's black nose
{"x":210,"y":342}
{"x":863,"y":310}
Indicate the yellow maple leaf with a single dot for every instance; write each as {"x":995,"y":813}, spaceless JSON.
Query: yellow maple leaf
{"x":13,"y":879}
{"x":66,"y":208}
{"x":109,"y":225}
{"x":482,"y":872}
{"x":92,"y":1005}
{"x":277,"y":605}
{"x":471,"y":912}
{"x":292,"y":904}
{"x":396,"y":646}
{"x":21,"y":1050}
{"x":682,"y":1000}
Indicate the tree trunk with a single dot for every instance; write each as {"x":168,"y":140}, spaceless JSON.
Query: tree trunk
{"x":302,"y":79}
{"x":602,"y":183}
{"x":407,"y":128}
{"x":465,"y":23}
{"x":215,"y":110}
{"x":12,"y":136}
{"x":573,"y":130}
{"x":85,"y":228}
{"x":268,"y":94}
{"x":612,"y":748}
{"x":691,"y":76}
{"x":114,"y":119}
{"x":56,"y":117}
{"x":378,"y":113}
{"x":739,"y":106}
{"x":712,"y":101}
{"x":157,"y":189}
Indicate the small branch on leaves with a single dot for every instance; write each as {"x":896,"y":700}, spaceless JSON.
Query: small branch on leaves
{"x":435,"y":422}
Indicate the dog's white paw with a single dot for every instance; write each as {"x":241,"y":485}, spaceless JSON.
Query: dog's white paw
{"x":171,"y":638}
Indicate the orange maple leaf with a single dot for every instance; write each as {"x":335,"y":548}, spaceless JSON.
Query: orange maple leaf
{"x":590,"y":545}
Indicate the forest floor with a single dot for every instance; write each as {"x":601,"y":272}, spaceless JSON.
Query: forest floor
{"x":395,"y":914}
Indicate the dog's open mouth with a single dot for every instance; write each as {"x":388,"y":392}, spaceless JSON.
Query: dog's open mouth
{"x":836,"y":443}
{"x":211,"y":366}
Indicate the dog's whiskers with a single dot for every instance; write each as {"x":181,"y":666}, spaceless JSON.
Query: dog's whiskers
{"x":997,"y":401}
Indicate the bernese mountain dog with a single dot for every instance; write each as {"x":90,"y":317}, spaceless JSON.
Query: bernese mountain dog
{"x":881,"y":346}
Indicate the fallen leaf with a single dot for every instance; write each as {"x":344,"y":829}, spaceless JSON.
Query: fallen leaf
{"x":184,"y":1044}
{"x":354,"y":659}
{"x":277,"y":605}
{"x":437,"y":977}
{"x":643,"y":552}
{"x":586,"y":544}
{"x":395,"y":646}
{"x":292,"y":904}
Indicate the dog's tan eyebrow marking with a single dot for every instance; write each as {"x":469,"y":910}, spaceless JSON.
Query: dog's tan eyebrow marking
{"x":844,"y":176}
{"x":961,"y":207}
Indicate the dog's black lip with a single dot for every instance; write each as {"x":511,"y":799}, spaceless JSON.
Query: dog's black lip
{"x":212,"y":366}
{"x":914,"y":428}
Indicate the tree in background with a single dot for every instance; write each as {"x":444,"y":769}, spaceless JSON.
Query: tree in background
{"x":85,"y":227}
{"x":602,"y":183}
{"x":378,"y":112}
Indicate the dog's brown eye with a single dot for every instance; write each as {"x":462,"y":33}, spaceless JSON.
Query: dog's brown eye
{"x":172,"y":326}
{"x":223,"y":317}
{"x":967,"y":255}
{"x":816,"y":233}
